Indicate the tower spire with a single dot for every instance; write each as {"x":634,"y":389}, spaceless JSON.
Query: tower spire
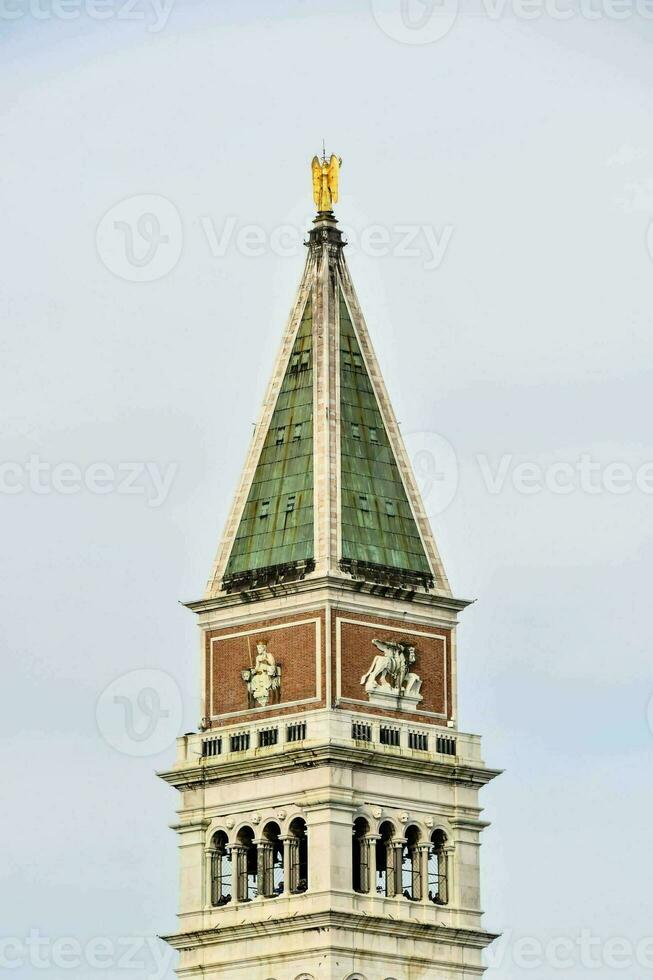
{"x":327,"y":488}
{"x":329,"y":822}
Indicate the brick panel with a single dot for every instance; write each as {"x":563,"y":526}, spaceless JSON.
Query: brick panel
{"x":294,"y":648}
{"x":433,"y":662}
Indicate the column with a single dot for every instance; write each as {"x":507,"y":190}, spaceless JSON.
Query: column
{"x":446,"y":883}
{"x":232,"y":887}
{"x":371,"y":840}
{"x":294,"y":864}
{"x":239,"y":865}
{"x":265,"y":850}
{"x":423,"y":851}
{"x":208,"y":876}
{"x":393,"y":858}
{"x":287,"y":864}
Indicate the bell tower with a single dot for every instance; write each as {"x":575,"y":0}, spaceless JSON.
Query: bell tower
{"x":329,"y":823}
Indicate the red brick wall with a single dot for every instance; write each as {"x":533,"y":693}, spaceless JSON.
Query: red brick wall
{"x":293,"y":648}
{"x":433,"y":663}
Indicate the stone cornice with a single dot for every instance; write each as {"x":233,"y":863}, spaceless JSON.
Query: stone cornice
{"x":340,"y":585}
{"x":209,"y":771}
{"x":468,"y":823}
{"x":337,"y":920}
{"x":191,"y":826}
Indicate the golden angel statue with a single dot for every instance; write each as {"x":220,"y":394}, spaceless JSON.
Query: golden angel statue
{"x":325,"y":181}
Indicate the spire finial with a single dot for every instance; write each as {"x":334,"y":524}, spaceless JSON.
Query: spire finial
{"x":325,"y":180}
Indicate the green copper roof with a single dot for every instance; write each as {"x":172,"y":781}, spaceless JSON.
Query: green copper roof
{"x":277,"y":523}
{"x":377,"y":523}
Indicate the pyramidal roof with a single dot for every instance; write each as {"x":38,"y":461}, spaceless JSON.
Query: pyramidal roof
{"x":327,"y":488}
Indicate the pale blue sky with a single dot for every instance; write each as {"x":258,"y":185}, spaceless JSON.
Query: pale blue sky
{"x":530,"y":140}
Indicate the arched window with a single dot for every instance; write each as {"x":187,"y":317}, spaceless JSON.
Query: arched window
{"x":411,"y":874}
{"x":221,"y":876}
{"x":438,"y":872}
{"x":360,"y":853}
{"x":270,"y":862}
{"x":246,"y":853}
{"x":298,"y":847}
{"x":386,"y":876}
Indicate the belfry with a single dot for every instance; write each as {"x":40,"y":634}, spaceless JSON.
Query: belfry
{"x":329,"y":823}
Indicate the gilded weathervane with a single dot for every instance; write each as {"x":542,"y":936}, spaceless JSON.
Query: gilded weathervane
{"x":325,"y":181}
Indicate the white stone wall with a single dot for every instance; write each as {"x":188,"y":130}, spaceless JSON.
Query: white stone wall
{"x":331,"y":931}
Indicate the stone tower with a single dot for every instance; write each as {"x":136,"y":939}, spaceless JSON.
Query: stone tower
{"x":329,"y":821}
